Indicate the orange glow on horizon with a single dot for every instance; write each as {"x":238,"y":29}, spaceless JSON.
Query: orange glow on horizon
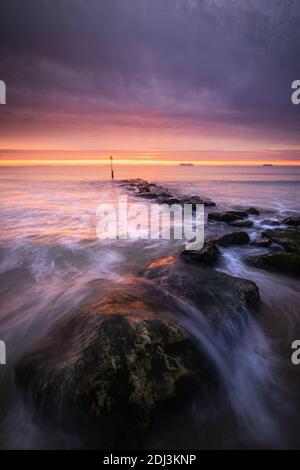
{"x":127,"y":161}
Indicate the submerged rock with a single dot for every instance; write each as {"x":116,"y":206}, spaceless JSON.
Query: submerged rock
{"x":218,"y":295}
{"x":295,"y":221}
{"x":147,"y":195}
{"x":170,"y":200}
{"x":196,"y":200}
{"x":262,"y":242}
{"x":287,"y":263}
{"x":239,"y":213}
{"x":106,"y":372}
{"x":269,"y":222}
{"x":241,"y":223}
{"x":234,"y":238}
{"x":288,"y":238}
{"x":228,"y":216}
{"x":185,"y":200}
{"x":252,"y":211}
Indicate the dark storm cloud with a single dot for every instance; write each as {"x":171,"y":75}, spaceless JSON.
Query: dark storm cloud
{"x":190,"y":61}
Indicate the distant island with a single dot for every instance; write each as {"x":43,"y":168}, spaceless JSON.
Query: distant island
{"x":268,"y":164}
{"x":186,"y":164}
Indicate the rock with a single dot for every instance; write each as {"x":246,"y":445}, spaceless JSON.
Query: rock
{"x":221,"y":217}
{"x":170,"y":200}
{"x":262,"y":242}
{"x":196,"y":200}
{"x":153,"y":191}
{"x":104,"y":373}
{"x":147,"y":195}
{"x":133,"y":183}
{"x":167,"y":199}
{"x":208,"y":202}
{"x":234,"y":238}
{"x":241,"y":223}
{"x":295,"y":221}
{"x":228,"y":216}
{"x":287,"y":263}
{"x":288,"y":238}
{"x":139,"y":185}
{"x":252,"y":211}
{"x":163,"y":194}
{"x":219,"y":296}
{"x":144,"y":188}
{"x":239,"y":214}
{"x":208,"y":254}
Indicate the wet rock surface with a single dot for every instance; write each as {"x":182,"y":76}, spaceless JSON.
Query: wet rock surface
{"x":218,"y":295}
{"x":288,"y":238}
{"x":208,"y":254}
{"x":286,"y":263}
{"x":252,"y":211}
{"x":237,"y":218}
{"x":234,"y":238}
{"x":104,"y":373}
{"x":262,"y":242}
{"x":241,"y":223}
{"x":294,"y":221}
{"x":229,"y":216}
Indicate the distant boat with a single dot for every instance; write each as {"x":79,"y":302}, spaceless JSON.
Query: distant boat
{"x":268,"y":164}
{"x":186,"y":164}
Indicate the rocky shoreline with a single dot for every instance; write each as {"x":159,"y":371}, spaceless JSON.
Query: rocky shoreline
{"x":108,"y":371}
{"x":143,"y":189}
{"x":285,"y":239}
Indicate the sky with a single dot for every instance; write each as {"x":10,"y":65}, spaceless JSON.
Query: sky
{"x":155,"y":81}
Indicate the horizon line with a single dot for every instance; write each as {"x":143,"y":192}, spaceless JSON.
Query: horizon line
{"x":91,"y":162}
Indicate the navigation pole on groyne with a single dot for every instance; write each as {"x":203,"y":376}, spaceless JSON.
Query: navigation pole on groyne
{"x":111,"y":167}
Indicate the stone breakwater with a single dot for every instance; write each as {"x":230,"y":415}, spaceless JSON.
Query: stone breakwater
{"x":143,"y":189}
{"x":283,"y":243}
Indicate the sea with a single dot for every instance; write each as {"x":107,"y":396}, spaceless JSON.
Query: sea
{"x":52,"y":261}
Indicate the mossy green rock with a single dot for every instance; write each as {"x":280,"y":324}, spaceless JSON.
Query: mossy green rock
{"x":104,"y":373}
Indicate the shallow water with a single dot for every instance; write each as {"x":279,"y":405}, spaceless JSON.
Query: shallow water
{"x":51,"y":262}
